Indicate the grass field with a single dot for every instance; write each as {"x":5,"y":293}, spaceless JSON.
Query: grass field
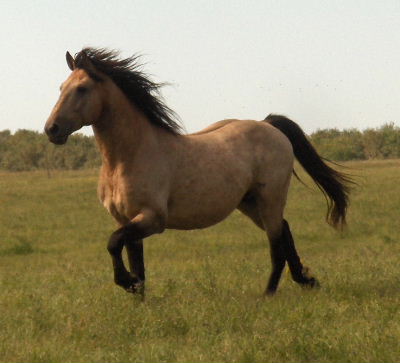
{"x":58,"y":302}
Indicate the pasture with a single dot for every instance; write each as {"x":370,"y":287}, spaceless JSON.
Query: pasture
{"x":58,"y":301}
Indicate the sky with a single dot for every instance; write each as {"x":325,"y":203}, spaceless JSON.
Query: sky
{"x":324,"y":64}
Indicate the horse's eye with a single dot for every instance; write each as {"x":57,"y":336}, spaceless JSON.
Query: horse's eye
{"x":81,"y":90}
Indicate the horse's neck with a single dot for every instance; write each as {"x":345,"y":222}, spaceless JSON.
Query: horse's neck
{"x":120,"y":133}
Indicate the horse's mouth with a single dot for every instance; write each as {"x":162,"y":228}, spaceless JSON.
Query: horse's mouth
{"x":59,"y":140}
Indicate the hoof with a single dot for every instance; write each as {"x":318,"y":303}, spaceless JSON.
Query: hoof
{"x":136,"y":288}
{"x":311,"y":283}
{"x":269,"y":292}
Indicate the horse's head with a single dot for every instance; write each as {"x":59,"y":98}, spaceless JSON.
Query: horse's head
{"x":80,"y":101}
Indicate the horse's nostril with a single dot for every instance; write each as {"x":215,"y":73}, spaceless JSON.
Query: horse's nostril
{"x":53,"y":130}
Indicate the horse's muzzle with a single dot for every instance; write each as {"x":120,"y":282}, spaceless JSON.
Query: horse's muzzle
{"x":56,"y":134}
{"x":59,"y":140}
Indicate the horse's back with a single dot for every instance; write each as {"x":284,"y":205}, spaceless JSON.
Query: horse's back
{"x":248,"y":139}
{"x":250,"y":129}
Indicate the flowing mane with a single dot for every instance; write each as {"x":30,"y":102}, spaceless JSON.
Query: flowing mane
{"x":134,"y":83}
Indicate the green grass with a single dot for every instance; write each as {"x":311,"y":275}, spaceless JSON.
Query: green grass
{"x":58,"y":302}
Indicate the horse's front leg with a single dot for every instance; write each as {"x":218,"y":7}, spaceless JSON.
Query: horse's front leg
{"x":136,"y":264}
{"x":131,"y":236}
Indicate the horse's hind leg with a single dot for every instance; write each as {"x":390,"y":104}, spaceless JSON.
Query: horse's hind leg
{"x":282,"y":246}
{"x":269,"y":220}
{"x":273,"y":225}
{"x":298,"y":271}
{"x":250,"y":207}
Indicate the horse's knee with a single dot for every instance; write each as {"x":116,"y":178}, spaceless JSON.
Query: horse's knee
{"x":143,"y":225}
{"x":116,"y":242}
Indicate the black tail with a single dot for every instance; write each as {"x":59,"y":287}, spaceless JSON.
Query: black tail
{"x":334,"y":185}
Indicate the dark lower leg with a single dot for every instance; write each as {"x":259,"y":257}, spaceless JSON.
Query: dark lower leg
{"x":135,"y":258}
{"x":297,"y":270}
{"x":278,"y":264}
{"x":136,"y":265}
{"x":121,"y":275}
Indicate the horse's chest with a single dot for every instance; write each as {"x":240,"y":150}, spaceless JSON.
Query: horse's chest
{"x":113,"y":199}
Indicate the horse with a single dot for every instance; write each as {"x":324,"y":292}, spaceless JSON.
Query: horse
{"x":154,"y":176}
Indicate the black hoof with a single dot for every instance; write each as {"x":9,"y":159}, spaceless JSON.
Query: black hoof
{"x":126,"y":280}
{"x":306,"y":280}
{"x":270,"y":292}
{"x":315,"y":283}
{"x":311,"y":283}
{"x":136,"y":288}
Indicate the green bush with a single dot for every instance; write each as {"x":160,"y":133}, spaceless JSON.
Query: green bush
{"x":379,"y":143}
{"x":30,"y":150}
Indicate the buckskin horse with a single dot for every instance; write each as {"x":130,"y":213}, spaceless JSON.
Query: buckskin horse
{"x":154,"y":176}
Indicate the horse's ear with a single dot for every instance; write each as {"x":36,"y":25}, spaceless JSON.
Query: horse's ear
{"x":70,"y":61}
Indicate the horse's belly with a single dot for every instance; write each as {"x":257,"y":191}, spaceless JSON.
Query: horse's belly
{"x":193,"y":211}
{"x":204,"y":198}
{"x":195,"y":220}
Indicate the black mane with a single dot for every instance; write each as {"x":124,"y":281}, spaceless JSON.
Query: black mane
{"x":135,"y":84}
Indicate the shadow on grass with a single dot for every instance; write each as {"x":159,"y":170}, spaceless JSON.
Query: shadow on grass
{"x":22,"y":248}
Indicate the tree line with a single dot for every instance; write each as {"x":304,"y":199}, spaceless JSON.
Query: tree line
{"x":30,"y":150}
{"x":352,"y":144}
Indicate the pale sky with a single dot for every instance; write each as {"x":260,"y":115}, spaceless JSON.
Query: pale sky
{"x":324,"y":64}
